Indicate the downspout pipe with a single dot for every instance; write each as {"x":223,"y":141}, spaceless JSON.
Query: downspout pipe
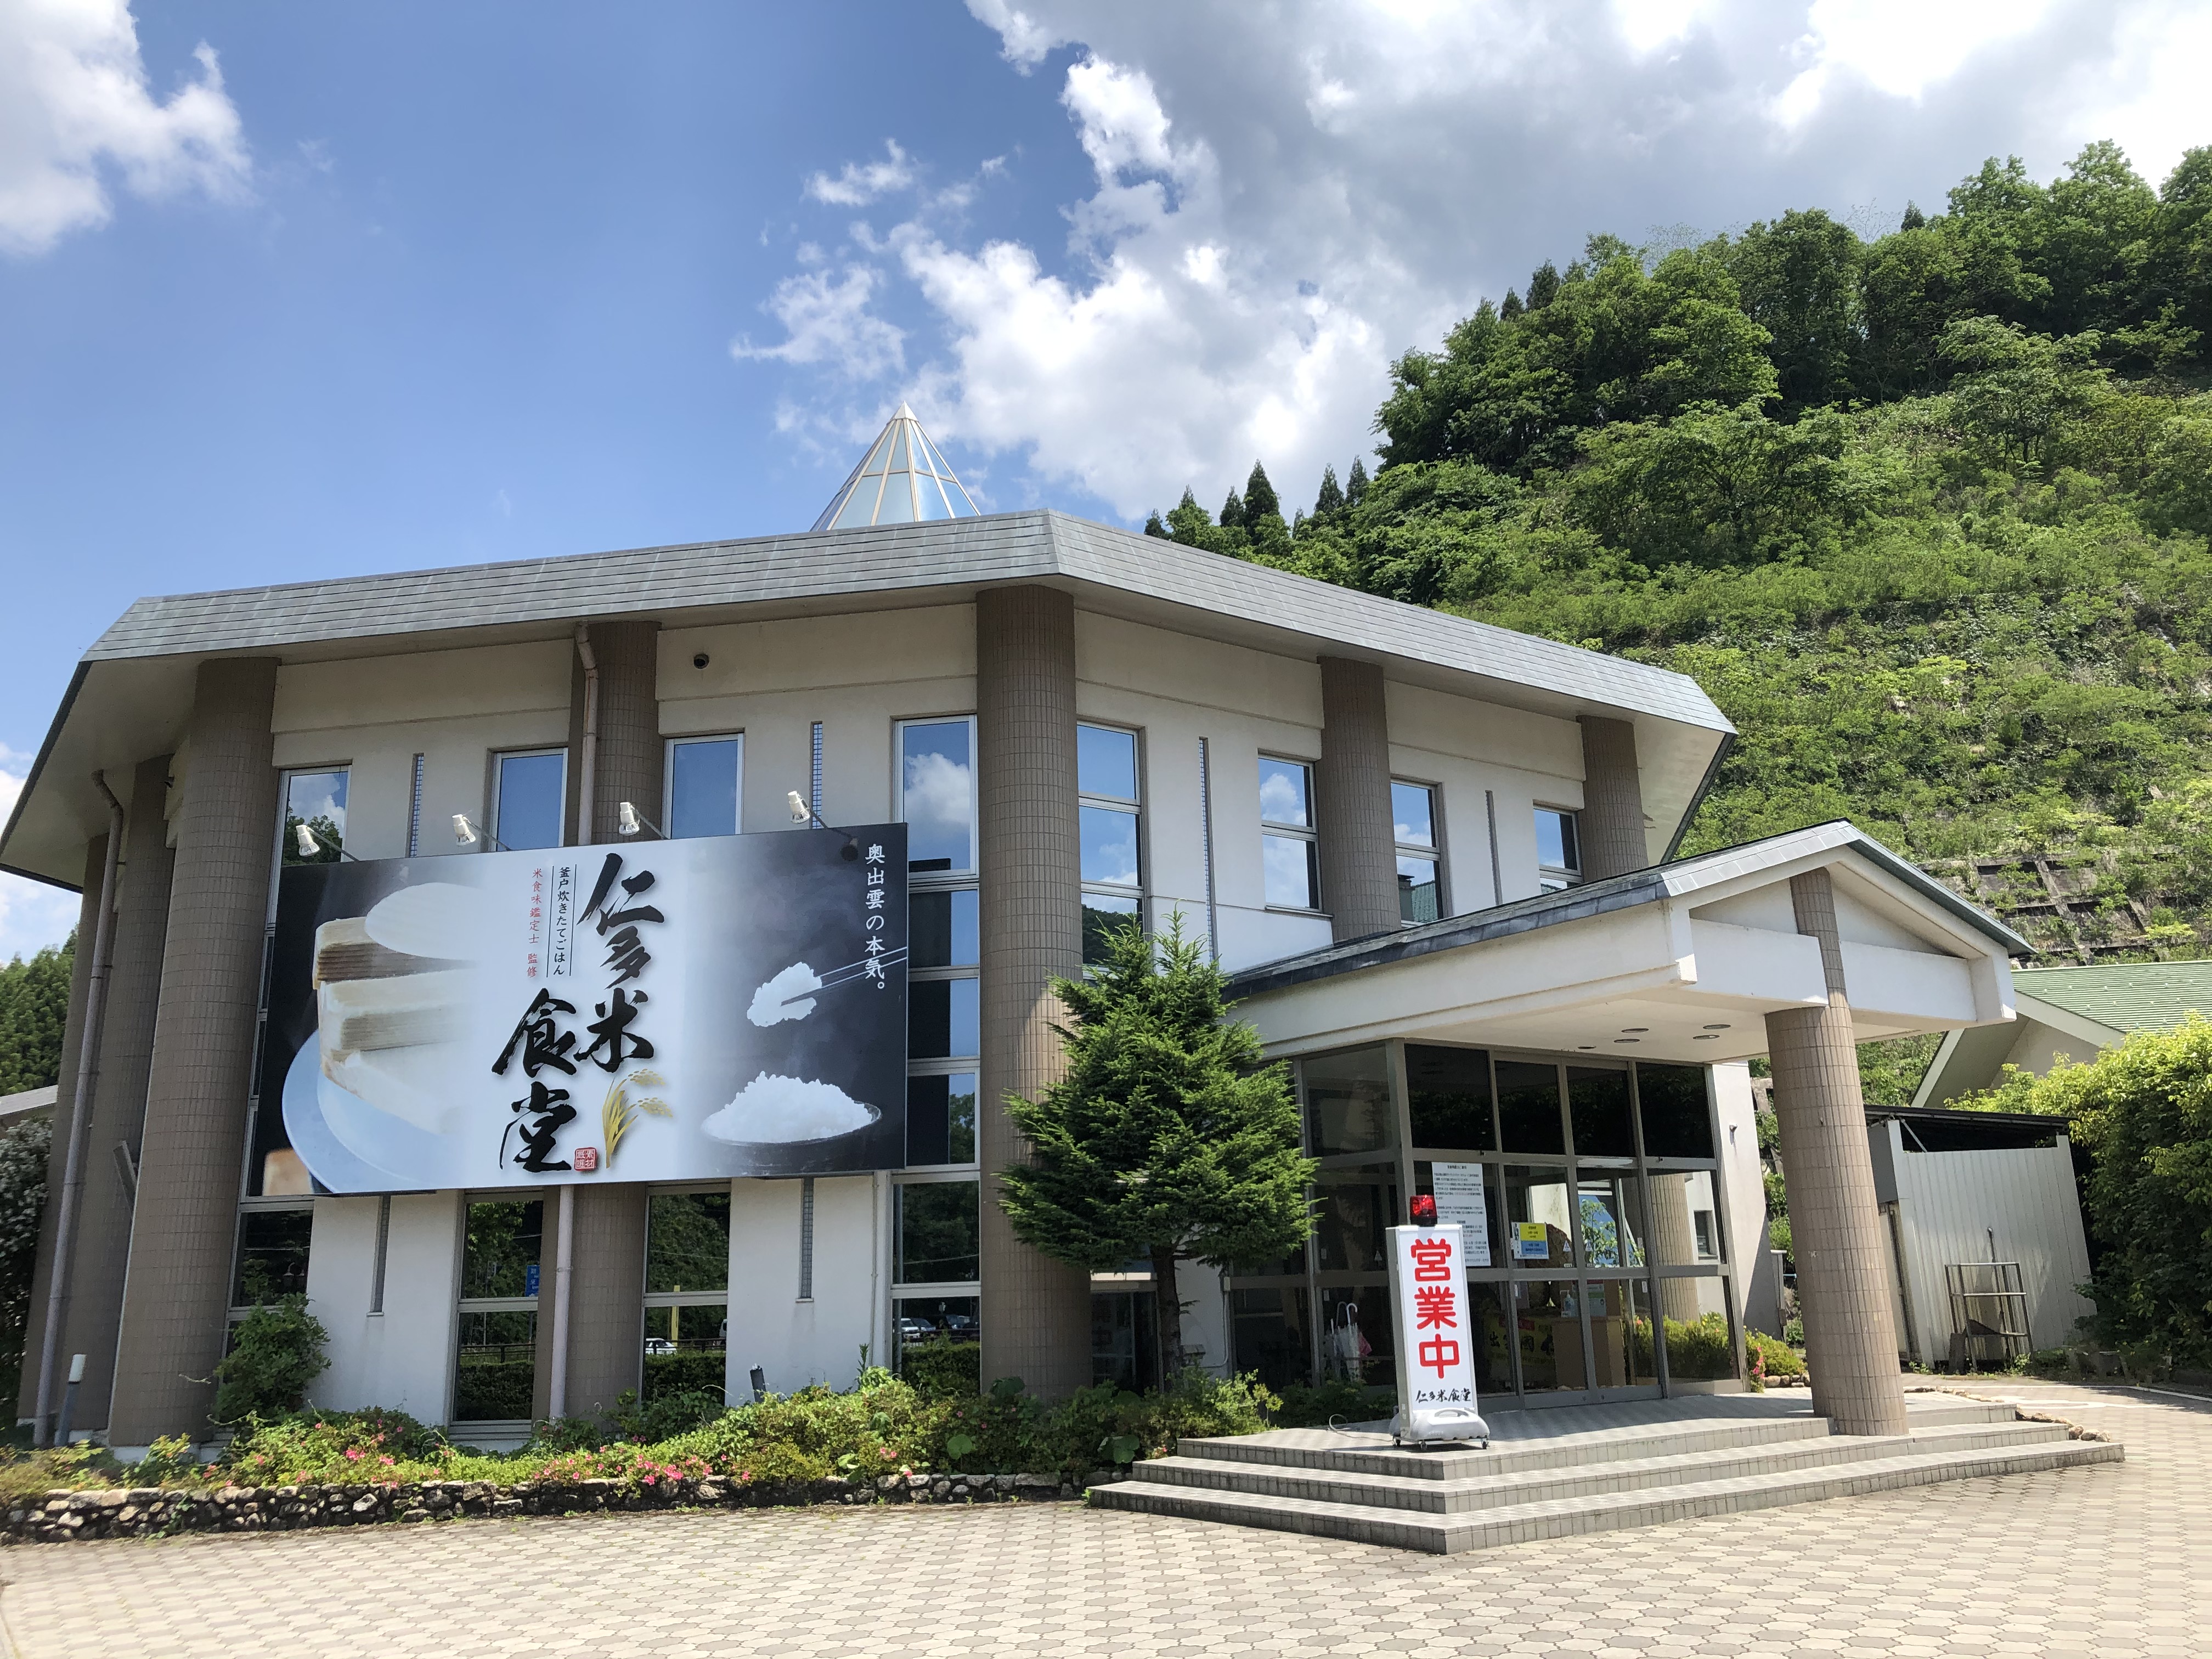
{"x":565,"y":1253}
{"x":88,"y":1069}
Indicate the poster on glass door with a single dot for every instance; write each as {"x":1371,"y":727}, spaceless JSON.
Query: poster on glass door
{"x":1435,"y":1336}
{"x":645,"y":1011}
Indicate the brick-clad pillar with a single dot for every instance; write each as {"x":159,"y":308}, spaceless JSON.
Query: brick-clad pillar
{"x":606,"y":1295}
{"x":1036,"y":1312}
{"x":1835,"y":1224}
{"x":118,"y":1110}
{"x":1352,"y":813}
{"x":179,"y":1286}
{"x":1611,"y":818}
{"x":42,"y":1272}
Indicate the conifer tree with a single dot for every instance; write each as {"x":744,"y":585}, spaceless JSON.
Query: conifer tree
{"x":1155,"y":525}
{"x":1512,"y":308}
{"x":1355,"y":485}
{"x":1914,"y":218}
{"x":34,"y":1006}
{"x":1232,"y":512}
{"x":1168,"y":1137}
{"x":1329,"y":499}
{"x":1259,"y":496}
{"x":1543,"y":285}
{"x":1189,"y":522}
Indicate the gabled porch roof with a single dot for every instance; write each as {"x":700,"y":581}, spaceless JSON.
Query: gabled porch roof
{"x":1680,"y":962}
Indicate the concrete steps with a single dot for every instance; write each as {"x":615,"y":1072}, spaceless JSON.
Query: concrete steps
{"x":1356,"y":1485}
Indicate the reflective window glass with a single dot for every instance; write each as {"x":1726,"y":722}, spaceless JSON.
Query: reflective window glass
{"x":1292,"y":872}
{"x":1540,"y":1221}
{"x":1597,"y":1101}
{"x":1685,"y":1218}
{"x":496,"y":1366}
{"x":944,"y":1019}
{"x":1351,"y":1210}
{"x":1558,"y":852}
{"x":1620,"y":1331}
{"x":1358,"y":1341}
{"x":1348,"y":1102}
{"x":937,"y":794}
{"x":1612,"y":1206}
{"x":940,"y":1119}
{"x":1448,"y":1096}
{"x":1106,"y":762}
{"x":704,"y":777}
{"x":314,"y":801}
{"x":1413,"y":806}
{"x":272,"y":1255}
{"x":1547,"y":1315}
{"x":501,"y":1247}
{"x":687,"y":1242}
{"x":1528,"y":1106}
{"x":1678,"y":1122}
{"x":1417,"y":888}
{"x":1270,"y":1333}
{"x":941,"y":928}
{"x":938,"y":1225}
{"x":1103,"y":913}
{"x":1285,"y":791}
{"x":529,"y":802}
{"x":1110,"y":846}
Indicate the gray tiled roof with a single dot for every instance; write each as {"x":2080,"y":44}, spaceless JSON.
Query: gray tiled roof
{"x":825,"y":565}
{"x":1683,"y":876}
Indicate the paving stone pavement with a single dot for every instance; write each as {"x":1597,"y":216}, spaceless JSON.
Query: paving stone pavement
{"x":2109,"y":1560}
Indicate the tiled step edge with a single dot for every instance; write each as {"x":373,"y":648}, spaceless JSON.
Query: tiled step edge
{"x":1472,"y":1496}
{"x":1525,"y":1523}
{"x":1508,"y":1456}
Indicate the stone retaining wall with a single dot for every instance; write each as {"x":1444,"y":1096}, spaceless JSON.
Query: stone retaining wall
{"x":62,"y":1515}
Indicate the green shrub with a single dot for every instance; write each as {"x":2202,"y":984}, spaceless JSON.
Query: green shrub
{"x":1315,"y":1406}
{"x":1770,"y":1356}
{"x":665,"y":1416}
{"x":941,"y":1369}
{"x":276,"y":1351}
{"x":1699,"y":1350}
{"x":682,"y":1373}
{"x":375,"y":1444}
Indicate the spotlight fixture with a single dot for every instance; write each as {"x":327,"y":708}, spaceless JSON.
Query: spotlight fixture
{"x":304,"y":839}
{"x":1722,"y":1026}
{"x":464,"y":831}
{"x":629,"y":821}
{"x":801,"y":812}
{"x":699,"y":661}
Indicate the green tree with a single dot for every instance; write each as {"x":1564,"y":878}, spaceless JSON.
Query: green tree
{"x":1168,"y":1137}
{"x":1260,"y":494}
{"x":2142,"y":1110}
{"x":1329,"y":500}
{"x":1156,"y":525}
{"x":2014,"y":388}
{"x":24,"y":1147}
{"x":34,"y":1008}
{"x":1189,"y":522}
{"x":1799,"y":277}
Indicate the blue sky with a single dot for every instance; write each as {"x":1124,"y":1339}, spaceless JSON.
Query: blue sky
{"x":294,"y":291}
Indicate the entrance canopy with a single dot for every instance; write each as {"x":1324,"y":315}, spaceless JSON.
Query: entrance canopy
{"x":1680,"y":962}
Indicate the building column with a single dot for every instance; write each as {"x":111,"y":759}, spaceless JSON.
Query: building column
{"x":1611,"y":818}
{"x":1843,"y":1260}
{"x":178,"y":1291}
{"x":1674,"y":1243}
{"x":1036,"y":1312}
{"x":1351,"y":816}
{"x":606,"y":1290}
{"x":42,"y":1271}
{"x":118,"y":1108}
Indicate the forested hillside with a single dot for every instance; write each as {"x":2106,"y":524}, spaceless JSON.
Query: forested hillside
{"x":1927,"y":516}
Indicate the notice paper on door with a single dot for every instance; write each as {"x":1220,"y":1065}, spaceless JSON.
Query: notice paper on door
{"x":1462,"y":1202}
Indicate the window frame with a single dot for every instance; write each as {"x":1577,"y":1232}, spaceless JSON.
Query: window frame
{"x":669,"y":746}
{"x":496,"y":783}
{"x":1433,"y":853}
{"x":1557,"y":878}
{"x":1133,"y":896}
{"x":919,"y":882}
{"x":1308,"y":832}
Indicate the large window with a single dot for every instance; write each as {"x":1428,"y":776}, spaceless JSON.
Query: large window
{"x":529,"y":798}
{"x":706,"y":777}
{"x":687,"y":1293}
{"x":314,"y":801}
{"x":1420,"y":851}
{"x":937,"y":800}
{"x":936,"y":795}
{"x":939,"y":1232}
{"x":1596,"y":1212}
{"x":1112,"y":886}
{"x":496,"y":1360}
{"x":273,"y":1254}
{"x":1289,"y":860}
{"x":1558,"y":850}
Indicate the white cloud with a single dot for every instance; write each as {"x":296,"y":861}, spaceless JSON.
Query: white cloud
{"x":826,"y":320}
{"x":33,"y":915}
{"x":857,"y":184}
{"x":1275,"y":213}
{"x":77,"y":107}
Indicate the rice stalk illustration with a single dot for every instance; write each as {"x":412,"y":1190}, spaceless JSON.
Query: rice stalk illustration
{"x":620,"y":1111}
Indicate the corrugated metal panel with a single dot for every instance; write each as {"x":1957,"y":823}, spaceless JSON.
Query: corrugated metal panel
{"x":1950,"y":1203}
{"x":2128,"y":996}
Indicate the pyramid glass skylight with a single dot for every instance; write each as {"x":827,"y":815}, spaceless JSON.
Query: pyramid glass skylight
{"x":900,"y":480}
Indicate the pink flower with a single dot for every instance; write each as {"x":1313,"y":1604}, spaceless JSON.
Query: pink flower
{"x":648,"y":1479}
{"x":353,"y":1453}
{"x":385,"y":1460}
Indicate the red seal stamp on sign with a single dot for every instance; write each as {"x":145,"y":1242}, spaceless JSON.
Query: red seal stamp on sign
{"x":586,"y":1158}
